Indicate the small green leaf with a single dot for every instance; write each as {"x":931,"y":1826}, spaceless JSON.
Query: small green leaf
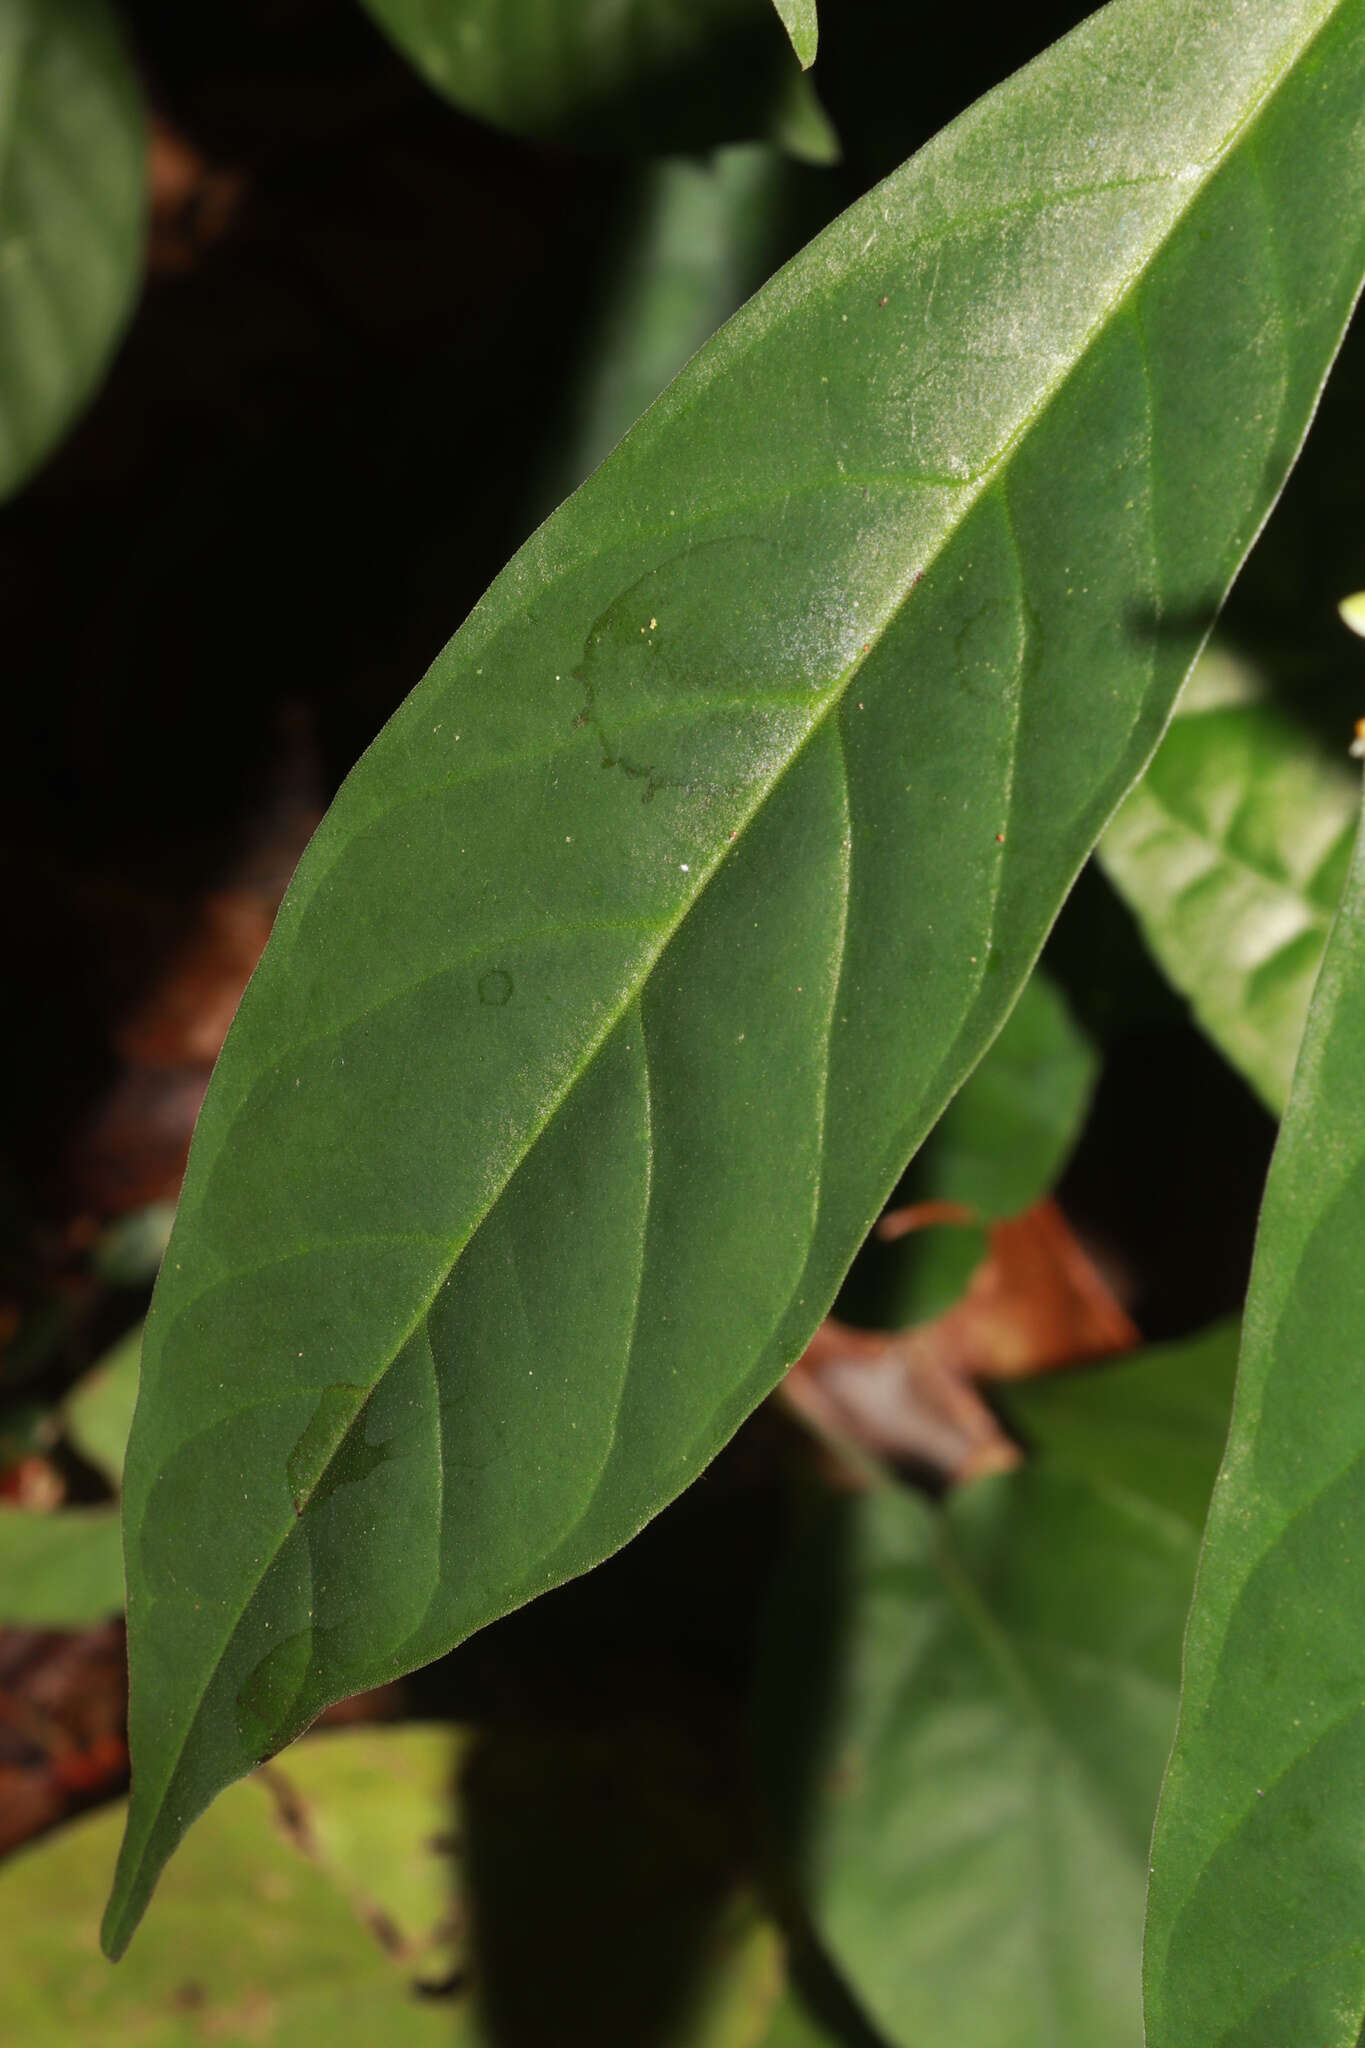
{"x":1004,"y":1138}
{"x":998,"y":1147}
{"x":965,"y":1714}
{"x":64,"y":1569}
{"x":653,"y":76}
{"x":799,"y":20}
{"x":1231,"y":851}
{"x":661,"y":923}
{"x":1153,"y":1424}
{"x":705,"y":233}
{"x":1256,"y":1928}
{"x":60,"y":1570}
{"x":99,"y":1413}
{"x":267,"y":1934}
{"x":71,"y":208}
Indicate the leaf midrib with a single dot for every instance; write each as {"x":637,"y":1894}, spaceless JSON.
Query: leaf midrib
{"x":974,"y":491}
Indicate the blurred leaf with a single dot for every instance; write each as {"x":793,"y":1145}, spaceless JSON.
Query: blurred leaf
{"x":130,"y":1250}
{"x":998,"y":1148}
{"x":1003,"y":1140}
{"x":706,"y":233}
{"x":71,"y":216}
{"x":1256,"y":1931}
{"x":99,"y":1412}
{"x":63,"y":1569}
{"x":258,"y":1944}
{"x":1153,"y":1424}
{"x":799,"y":20}
{"x":326,"y":1901}
{"x":654,"y":76}
{"x":897,"y":1285}
{"x":795,"y":2024}
{"x":964,"y":1716}
{"x":659,"y":926}
{"x":801,"y":126}
{"x":1231,"y":851}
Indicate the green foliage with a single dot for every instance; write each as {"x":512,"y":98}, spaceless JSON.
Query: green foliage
{"x":966,"y":1712}
{"x":999,"y":1147}
{"x":65,"y":1568}
{"x":1232,"y":850}
{"x":1003,"y":1139}
{"x":685,"y":919}
{"x":344,"y":1898}
{"x":1260,"y":1820}
{"x":658,"y":927}
{"x":651,"y":75}
{"x":71,"y":205}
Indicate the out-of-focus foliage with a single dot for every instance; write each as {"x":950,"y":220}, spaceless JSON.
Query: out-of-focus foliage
{"x":72,"y":146}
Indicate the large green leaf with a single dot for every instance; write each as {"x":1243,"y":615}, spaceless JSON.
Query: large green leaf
{"x":71,"y":204}
{"x":651,"y":75}
{"x":1232,"y":850}
{"x":658,"y":926}
{"x":1256,"y":1930}
{"x":965,"y":1716}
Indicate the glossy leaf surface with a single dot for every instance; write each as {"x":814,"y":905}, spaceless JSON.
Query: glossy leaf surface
{"x":1256,"y":1931}
{"x":1232,"y":851}
{"x":657,"y":928}
{"x":71,"y":205}
{"x":970,"y":1710}
{"x":801,"y":23}
{"x":649,"y":75}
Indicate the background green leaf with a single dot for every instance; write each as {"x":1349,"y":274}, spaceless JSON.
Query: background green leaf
{"x":1232,"y":851}
{"x":649,"y":75}
{"x":657,"y":928}
{"x":71,"y":207}
{"x":965,"y":1713}
{"x":999,"y":1147}
{"x":1257,"y":1915}
{"x":98,"y":1413}
{"x":64,"y":1568}
{"x":707,"y":232}
{"x":336,"y":1899}
{"x":1004,"y":1138}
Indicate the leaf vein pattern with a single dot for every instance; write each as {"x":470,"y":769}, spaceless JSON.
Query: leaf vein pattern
{"x":829,"y":700}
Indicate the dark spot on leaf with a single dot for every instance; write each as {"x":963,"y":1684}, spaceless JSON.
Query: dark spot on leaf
{"x":495,"y":988}
{"x":337,"y":1409}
